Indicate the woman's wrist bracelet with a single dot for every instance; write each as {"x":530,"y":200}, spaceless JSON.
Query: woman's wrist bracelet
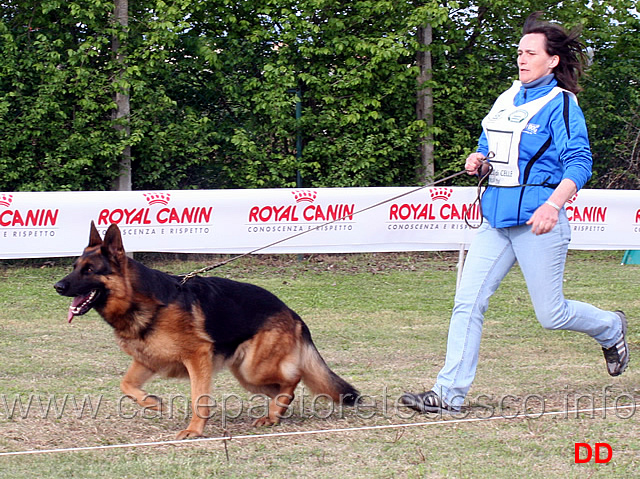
{"x":553,"y":205}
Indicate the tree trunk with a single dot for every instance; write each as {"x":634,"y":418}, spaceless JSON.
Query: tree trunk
{"x":121,"y":114}
{"x":424,"y":104}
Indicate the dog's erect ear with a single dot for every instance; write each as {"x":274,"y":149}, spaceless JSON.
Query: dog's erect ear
{"x":94,"y":237}
{"x":113,"y":247}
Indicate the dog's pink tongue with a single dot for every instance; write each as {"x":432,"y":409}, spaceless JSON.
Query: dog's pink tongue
{"x":74,"y":304}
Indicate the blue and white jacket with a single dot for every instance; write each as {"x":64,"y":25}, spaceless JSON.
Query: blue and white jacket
{"x":555,"y":147}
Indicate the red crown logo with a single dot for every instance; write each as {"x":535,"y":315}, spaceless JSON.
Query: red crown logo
{"x":573,"y":198}
{"x":5,"y":199}
{"x":157,"y":198}
{"x":304,"y":195}
{"x":440,"y":193}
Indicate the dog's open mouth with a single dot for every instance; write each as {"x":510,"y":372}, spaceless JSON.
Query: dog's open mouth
{"x":82,"y":304}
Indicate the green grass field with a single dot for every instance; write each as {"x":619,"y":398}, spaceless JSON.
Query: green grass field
{"x":380,"y":321}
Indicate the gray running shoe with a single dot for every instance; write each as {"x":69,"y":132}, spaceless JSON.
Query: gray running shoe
{"x":617,"y":356}
{"x":427,"y":402}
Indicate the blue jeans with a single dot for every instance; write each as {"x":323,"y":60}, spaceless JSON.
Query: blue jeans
{"x":492,"y":253}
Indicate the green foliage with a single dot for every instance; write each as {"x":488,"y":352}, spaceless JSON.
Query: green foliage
{"x":54,"y":97}
{"x":612,"y":104}
{"x":213,"y":88}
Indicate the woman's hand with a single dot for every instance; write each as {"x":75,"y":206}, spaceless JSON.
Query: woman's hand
{"x":473,"y":163}
{"x":546,"y":216}
{"x":543,"y":219}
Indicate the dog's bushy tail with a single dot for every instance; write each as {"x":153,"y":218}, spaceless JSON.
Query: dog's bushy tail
{"x":321,"y":380}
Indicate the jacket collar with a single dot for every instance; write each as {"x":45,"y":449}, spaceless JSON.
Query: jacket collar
{"x":542,"y":81}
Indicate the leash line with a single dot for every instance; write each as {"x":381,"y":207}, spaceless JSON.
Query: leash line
{"x":315,"y":431}
{"x":192,"y":274}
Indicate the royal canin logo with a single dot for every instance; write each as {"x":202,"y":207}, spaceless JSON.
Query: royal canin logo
{"x":152,"y":215}
{"x":33,"y":217}
{"x":302,"y":196}
{"x":585,"y":214}
{"x":304,"y":209}
{"x":440,"y":193}
{"x":440,"y":208}
{"x":6,"y":199}
{"x":157,"y":198}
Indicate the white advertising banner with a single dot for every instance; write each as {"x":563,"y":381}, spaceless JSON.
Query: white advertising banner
{"x":317,"y":220}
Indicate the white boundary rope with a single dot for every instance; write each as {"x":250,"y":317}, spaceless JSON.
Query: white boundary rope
{"x":316,"y":432}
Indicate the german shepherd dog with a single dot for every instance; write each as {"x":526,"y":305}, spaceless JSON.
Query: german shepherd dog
{"x":195,"y":329}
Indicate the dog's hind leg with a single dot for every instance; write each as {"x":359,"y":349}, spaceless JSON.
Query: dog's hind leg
{"x":131,"y":386}
{"x":278,"y":405}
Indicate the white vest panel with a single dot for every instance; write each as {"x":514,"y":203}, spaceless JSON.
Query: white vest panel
{"x":503,"y":127}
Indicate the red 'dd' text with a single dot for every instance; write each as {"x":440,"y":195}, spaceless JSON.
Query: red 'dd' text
{"x":583,"y":452}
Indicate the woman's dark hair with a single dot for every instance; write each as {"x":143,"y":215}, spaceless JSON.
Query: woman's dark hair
{"x":564,"y":44}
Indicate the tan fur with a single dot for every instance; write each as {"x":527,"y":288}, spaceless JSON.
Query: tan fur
{"x":271,"y":363}
{"x":317,"y":376}
{"x":171,"y":341}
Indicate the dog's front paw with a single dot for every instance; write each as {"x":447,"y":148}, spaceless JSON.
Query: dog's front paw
{"x":188,"y":434}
